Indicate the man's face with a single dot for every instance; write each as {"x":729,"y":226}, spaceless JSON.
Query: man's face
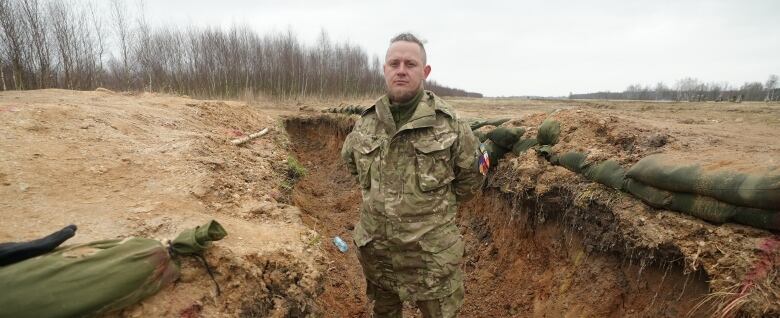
{"x":404,"y":71}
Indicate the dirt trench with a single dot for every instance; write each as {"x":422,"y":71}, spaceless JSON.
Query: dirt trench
{"x":526,"y":256}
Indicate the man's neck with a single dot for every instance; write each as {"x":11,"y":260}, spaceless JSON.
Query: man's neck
{"x":415,"y":98}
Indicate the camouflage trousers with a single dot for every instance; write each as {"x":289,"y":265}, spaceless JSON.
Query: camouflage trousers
{"x":387,"y":304}
{"x":389,"y":290}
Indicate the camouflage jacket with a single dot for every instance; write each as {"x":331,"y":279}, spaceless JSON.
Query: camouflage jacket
{"x":412,"y":179}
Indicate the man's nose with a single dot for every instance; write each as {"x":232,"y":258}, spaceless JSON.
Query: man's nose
{"x":402,"y":70}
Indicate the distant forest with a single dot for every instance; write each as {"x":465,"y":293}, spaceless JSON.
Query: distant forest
{"x":86,"y":45}
{"x":691,"y":89}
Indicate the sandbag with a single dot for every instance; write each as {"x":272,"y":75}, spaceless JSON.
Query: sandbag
{"x":96,"y":278}
{"x":86,"y":279}
{"x":702,"y":207}
{"x":574,"y":161}
{"x":523,"y":145}
{"x":760,"y":189}
{"x":758,"y":218}
{"x":547,"y":152}
{"x":192,"y":241}
{"x":477,"y":123}
{"x":654,"y":197}
{"x":480,"y":135}
{"x":549,"y":131}
{"x":505,"y":137}
{"x":608,"y":173}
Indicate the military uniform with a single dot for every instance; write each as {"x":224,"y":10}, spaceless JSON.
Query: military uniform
{"x":412,"y":178}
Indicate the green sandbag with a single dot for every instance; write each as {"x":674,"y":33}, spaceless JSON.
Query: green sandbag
{"x":654,"y":197}
{"x":608,"y":173}
{"x":760,"y":189}
{"x":523,"y":145}
{"x":549,"y":132}
{"x":480,"y":135}
{"x":86,"y":279}
{"x":495,"y":152}
{"x":193,"y":241}
{"x":95,"y":278}
{"x":574,"y":161}
{"x":764,"y":219}
{"x":702,"y":207}
{"x":506,"y":137}
{"x":546,"y":152}
{"x":477,"y":123}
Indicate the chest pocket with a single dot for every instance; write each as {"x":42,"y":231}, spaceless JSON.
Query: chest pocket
{"x":433,"y":159}
{"x":365,"y":151}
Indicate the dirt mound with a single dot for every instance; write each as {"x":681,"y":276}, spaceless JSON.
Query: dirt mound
{"x":151,"y":165}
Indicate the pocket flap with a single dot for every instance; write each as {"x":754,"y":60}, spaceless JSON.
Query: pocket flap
{"x":439,"y":240}
{"x":366,"y":146}
{"x":360,"y":236}
{"x":431,"y":145}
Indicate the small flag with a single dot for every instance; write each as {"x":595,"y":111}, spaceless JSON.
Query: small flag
{"x":484,"y":160}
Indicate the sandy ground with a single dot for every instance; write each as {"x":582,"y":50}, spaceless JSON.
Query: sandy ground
{"x":121,"y":165}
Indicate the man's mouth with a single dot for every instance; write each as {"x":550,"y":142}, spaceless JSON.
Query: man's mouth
{"x":400,"y":83}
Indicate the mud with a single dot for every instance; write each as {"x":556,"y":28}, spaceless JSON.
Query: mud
{"x":542,"y":241}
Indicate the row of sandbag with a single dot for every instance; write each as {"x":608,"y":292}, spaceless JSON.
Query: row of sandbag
{"x":351,"y":110}
{"x":715,"y":194}
{"x":718,"y":196}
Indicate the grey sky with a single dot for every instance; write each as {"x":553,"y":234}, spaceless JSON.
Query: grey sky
{"x":502,"y":48}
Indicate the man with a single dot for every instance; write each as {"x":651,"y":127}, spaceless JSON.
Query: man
{"x":414,"y":162}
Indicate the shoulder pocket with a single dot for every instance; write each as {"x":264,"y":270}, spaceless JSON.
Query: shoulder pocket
{"x":433,"y":159}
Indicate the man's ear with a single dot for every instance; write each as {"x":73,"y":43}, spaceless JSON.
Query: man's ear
{"x":427,"y":70}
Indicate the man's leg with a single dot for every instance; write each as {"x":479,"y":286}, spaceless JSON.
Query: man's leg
{"x":445,"y":307}
{"x":386,"y":303}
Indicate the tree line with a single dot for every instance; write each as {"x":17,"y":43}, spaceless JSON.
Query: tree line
{"x":86,"y":45}
{"x":692,"y":89}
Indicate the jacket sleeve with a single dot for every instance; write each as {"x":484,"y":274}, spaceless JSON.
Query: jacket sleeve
{"x":347,"y":155}
{"x":468,"y":179}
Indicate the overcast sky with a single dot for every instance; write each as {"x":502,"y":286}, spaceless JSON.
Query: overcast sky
{"x":548,"y":48}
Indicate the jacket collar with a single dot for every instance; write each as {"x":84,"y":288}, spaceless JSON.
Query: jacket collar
{"x":424,"y":115}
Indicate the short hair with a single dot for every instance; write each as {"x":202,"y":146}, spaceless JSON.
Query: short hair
{"x":409,"y":37}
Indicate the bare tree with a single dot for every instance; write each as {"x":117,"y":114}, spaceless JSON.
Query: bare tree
{"x":11,"y":24}
{"x":122,"y":30}
{"x":771,"y":83}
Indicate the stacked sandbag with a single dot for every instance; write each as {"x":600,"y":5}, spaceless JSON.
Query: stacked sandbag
{"x":479,"y":123}
{"x":607,"y":172}
{"x":349,"y":110}
{"x":711,"y":192}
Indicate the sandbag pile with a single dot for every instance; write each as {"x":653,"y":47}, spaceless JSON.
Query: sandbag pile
{"x":501,"y":140}
{"x":98,"y":277}
{"x":710,"y":192}
{"x":350,"y":110}
{"x":714,"y":194}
